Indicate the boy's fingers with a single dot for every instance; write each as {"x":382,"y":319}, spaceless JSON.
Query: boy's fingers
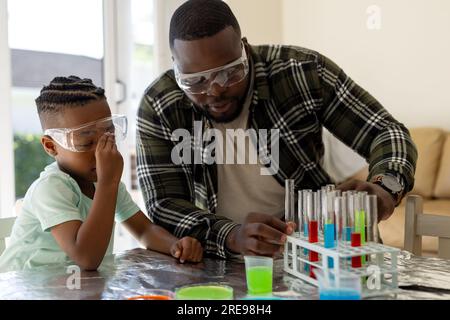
{"x":199,"y":255}
{"x":101,"y":142}
{"x":194,"y":251}
{"x":111,"y":142}
{"x":197,"y":251}
{"x":176,"y":250}
{"x":187,"y":251}
{"x":291,"y":227}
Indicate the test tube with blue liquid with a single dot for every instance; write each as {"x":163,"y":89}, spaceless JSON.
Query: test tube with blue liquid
{"x":329,"y":224}
{"x":346,"y":221}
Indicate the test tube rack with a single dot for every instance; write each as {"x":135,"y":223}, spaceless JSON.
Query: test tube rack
{"x":295,"y":261}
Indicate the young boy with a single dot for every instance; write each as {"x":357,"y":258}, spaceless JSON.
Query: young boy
{"x":68,"y":212}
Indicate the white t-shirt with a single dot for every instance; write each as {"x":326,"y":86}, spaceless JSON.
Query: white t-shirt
{"x":241,"y":187}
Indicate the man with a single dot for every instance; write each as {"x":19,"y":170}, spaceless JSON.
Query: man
{"x":222,"y":82}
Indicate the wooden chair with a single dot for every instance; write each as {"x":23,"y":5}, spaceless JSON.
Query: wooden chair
{"x":418,"y":224}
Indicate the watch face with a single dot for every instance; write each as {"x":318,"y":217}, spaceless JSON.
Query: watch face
{"x":392,"y":183}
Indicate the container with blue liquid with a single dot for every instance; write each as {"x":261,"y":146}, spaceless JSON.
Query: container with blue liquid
{"x":333,"y":287}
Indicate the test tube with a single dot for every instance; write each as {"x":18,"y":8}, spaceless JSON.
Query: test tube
{"x":346,"y":226}
{"x":312,"y":228}
{"x":361,"y":215}
{"x":318,"y":208}
{"x":313,"y":235}
{"x":372,"y":218}
{"x":305,"y":197}
{"x":289,"y":200}
{"x":358,"y":224}
{"x":300,"y":213}
{"x":339,"y":207}
{"x":324,"y":207}
{"x":317,"y":212}
{"x":305,"y":211}
{"x":330,"y":225}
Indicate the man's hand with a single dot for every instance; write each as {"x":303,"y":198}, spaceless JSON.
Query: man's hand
{"x":187,"y":249}
{"x":260,"y":234}
{"x":385,"y":201}
{"x":109,"y":161}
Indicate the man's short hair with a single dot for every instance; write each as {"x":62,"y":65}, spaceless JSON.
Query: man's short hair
{"x":197,"y":19}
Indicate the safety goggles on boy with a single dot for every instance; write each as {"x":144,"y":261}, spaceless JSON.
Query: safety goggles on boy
{"x":84,"y":138}
{"x":224,"y":76}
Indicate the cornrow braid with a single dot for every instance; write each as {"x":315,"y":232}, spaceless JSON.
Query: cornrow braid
{"x":197,"y":19}
{"x":66,"y":92}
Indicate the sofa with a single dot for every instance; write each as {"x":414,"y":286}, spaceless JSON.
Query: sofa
{"x":432,"y":182}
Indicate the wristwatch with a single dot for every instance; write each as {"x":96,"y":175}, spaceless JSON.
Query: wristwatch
{"x":391,"y":184}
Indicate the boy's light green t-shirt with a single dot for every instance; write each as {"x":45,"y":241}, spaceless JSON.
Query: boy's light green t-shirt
{"x":52,"y":199}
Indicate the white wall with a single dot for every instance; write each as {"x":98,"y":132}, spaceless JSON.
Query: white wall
{"x":405,"y":64}
{"x":164,"y":10}
{"x":260,"y":20}
{"x":261,"y":26}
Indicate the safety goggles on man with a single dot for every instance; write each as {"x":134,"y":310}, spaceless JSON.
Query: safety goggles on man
{"x":84,"y":138}
{"x":224,"y":76}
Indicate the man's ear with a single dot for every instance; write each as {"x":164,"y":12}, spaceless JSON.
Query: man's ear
{"x":49,"y":146}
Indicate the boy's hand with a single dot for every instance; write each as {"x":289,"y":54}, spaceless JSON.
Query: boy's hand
{"x":187,"y":249}
{"x":109,"y":161}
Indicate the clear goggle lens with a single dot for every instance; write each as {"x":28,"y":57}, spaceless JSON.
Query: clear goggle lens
{"x":226,"y":76}
{"x":85,"y":138}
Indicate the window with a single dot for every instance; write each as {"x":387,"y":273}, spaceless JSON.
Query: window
{"x":109,"y":41}
{"x":60,"y":38}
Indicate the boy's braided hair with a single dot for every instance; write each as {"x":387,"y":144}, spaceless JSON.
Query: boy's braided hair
{"x":66,"y":92}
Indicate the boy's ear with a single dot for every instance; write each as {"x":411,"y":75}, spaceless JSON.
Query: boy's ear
{"x":49,"y":146}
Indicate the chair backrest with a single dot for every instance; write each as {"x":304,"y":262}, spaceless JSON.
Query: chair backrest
{"x":418,"y":224}
{"x":6,"y":225}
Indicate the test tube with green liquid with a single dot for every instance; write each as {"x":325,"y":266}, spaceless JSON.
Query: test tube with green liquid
{"x":360,"y":216}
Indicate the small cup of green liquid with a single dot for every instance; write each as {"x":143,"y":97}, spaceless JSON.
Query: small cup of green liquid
{"x":205,"y":291}
{"x":259,"y":273}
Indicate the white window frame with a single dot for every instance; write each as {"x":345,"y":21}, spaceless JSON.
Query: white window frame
{"x":116,"y":69}
{"x":7,"y":182}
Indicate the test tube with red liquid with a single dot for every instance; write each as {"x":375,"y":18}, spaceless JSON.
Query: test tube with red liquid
{"x":313,"y":228}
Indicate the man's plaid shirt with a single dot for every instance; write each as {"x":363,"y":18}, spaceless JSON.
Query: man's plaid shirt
{"x":297,"y":91}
